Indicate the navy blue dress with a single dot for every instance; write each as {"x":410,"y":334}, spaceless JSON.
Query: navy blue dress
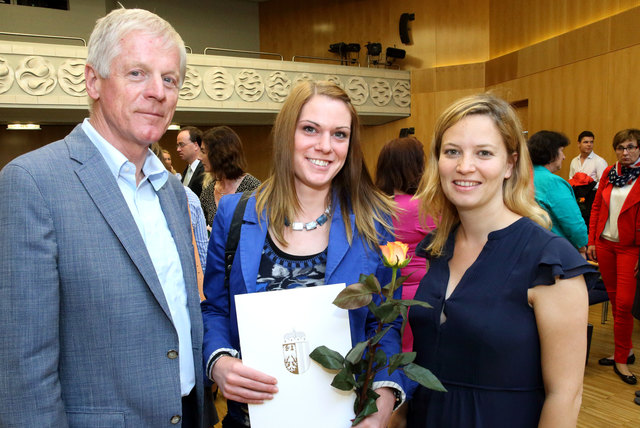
{"x":487,"y":352}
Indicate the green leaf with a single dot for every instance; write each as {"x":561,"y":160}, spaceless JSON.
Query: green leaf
{"x":383,"y":311}
{"x":375,"y":339}
{"x":389,"y":289}
{"x":380,"y":358}
{"x":353,"y":297}
{"x":414,"y":303}
{"x":423,"y":376}
{"x":355,"y":354}
{"x":371,"y":283}
{"x":327,"y":358}
{"x":402,"y":359}
{"x":344,"y":380}
{"x":369,"y":407}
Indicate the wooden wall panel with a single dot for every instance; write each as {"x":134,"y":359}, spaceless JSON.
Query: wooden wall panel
{"x":444,"y":33}
{"x":517,"y":24}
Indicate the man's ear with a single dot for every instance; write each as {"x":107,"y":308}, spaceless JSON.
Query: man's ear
{"x":92,"y":81}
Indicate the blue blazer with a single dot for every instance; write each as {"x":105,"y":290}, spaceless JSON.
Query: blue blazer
{"x":345,"y":263}
{"x":85,"y":326}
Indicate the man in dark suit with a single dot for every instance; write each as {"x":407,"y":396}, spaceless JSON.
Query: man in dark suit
{"x":188,"y":147}
{"x":99,"y":310}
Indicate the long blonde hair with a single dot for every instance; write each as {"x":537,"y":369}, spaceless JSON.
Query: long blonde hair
{"x":352,"y":185}
{"x":518,"y":192}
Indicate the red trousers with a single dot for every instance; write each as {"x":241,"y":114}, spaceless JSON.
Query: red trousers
{"x":617,"y":263}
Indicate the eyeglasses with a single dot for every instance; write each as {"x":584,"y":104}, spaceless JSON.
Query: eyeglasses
{"x":182,"y":145}
{"x":622,"y":149}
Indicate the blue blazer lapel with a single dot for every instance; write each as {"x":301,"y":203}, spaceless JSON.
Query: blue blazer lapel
{"x":93,"y":172}
{"x":250,"y":245}
{"x":338,"y":244}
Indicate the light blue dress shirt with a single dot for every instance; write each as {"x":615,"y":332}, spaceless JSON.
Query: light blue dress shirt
{"x":199,"y":226}
{"x":144,"y":204}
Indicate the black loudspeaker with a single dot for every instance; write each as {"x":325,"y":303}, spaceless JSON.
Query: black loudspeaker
{"x":396,"y":53}
{"x":404,"y":27}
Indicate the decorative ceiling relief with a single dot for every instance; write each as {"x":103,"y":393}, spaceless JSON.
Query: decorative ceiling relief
{"x":192,"y":85}
{"x":380,"y":92}
{"x":402,"y":93}
{"x":36,"y":76}
{"x":278,"y":86}
{"x":334,"y":79}
{"x":6,"y":75}
{"x":71,"y":77}
{"x":249,"y":85}
{"x":303,"y":77}
{"x":357,"y":90}
{"x":218,"y":83}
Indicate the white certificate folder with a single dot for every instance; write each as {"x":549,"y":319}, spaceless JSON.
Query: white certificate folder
{"x":278,"y":330}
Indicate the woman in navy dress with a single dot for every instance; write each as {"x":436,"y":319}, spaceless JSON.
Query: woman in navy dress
{"x":506,"y":335}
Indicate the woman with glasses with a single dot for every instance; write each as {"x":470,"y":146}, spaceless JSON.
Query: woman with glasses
{"x":614,"y":241}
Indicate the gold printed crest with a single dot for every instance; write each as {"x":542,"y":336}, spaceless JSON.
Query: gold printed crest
{"x":295,"y":350}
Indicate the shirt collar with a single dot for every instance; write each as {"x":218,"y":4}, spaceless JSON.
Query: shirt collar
{"x":153,"y":168}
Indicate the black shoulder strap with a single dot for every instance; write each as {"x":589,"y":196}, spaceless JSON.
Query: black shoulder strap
{"x":233,"y":237}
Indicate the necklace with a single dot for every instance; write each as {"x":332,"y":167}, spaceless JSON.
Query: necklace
{"x":298,"y":225}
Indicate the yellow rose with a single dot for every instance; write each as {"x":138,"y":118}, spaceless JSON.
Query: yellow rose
{"x":394,"y":254}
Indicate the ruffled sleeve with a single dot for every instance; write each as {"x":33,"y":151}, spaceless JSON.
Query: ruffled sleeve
{"x":560,"y":260}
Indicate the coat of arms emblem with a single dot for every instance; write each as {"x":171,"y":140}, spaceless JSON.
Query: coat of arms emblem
{"x":295,"y":350}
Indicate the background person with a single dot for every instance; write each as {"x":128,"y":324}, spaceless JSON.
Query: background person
{"x":553,"y":193}
{"x":506,"y":335}
{"x":188,"y":144}
{"x":225,"y":164}
{"x":614,"y":242}
{"x":398,"y":173}
{"x":587,"y":162}
{"x":318,"y":175}
{"x":99,"y":310}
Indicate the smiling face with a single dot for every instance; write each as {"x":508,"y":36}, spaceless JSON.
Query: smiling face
{"x":321,"y":142}
{"x":473,"y":164}
{"x":134,"y":105}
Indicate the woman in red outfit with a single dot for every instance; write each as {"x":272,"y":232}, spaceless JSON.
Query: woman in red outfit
{"x":614,"y":241}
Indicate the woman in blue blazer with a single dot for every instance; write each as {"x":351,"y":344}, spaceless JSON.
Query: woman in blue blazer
{"x":318,"y":219}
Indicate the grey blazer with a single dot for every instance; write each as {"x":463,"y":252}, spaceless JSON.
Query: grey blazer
{"x":85,"y":328}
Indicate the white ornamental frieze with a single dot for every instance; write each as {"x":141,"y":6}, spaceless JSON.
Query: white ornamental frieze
{"x":358,"y":90}
{"x":71,"y":77}
{"x":218,"y":83}
{"x":334,"y":79}
{"x":192,"y":85}
{"x":380,"y":92}
{"x":278,"y":86}
{"x":303,"y":77}
{"x":6,"y":75}
{"x":249,"y":85}
{"x":36,"y":76}
{"x":402,"y":94}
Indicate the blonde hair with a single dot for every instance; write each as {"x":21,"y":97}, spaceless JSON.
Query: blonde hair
{"x":518,"y":192}
{"x":352,"y":185}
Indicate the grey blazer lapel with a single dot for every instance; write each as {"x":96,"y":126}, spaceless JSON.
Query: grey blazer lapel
{"x":177,"y":216}
{"x":101,"y":186}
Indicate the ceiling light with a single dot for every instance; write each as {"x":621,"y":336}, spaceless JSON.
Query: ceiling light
{"x":173,"y":127}
{"x":23,"y":127}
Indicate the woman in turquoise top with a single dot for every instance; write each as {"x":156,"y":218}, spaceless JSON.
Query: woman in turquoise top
{"x":553,"y":193}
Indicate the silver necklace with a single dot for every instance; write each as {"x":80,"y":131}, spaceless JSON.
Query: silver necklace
{"x":298,"y":225}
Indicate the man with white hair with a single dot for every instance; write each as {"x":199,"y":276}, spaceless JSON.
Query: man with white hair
{"x":99,"y":310}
